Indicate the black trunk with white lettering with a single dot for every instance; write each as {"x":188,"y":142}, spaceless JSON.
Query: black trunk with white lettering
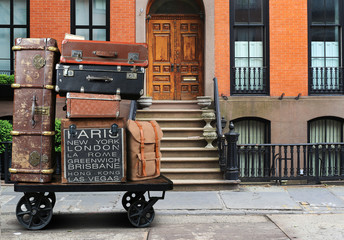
{"x":93,"y":155}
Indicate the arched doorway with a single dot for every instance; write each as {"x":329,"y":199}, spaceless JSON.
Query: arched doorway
{"x":175,"y":37}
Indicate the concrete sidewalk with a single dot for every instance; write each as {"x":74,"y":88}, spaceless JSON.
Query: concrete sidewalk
{"x":259,"y":212}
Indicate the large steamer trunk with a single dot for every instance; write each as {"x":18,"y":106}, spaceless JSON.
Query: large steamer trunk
{"x":104,"y":53}
{"x":93,"y":150}
{"x":34,"y":110}
{"x":128,"y":81}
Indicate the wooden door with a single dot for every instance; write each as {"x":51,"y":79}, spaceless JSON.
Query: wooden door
{"x":175,"y":45}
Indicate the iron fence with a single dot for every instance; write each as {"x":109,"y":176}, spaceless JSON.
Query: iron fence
{"x":309,"y":161}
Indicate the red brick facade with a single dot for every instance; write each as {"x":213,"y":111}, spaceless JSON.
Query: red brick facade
{"x":287,"y":36}
{"x":288,"y":47}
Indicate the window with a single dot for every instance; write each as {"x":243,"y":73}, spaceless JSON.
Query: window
{"x":325,"y":130}
{"x":253,"y":161}
{"x":325,"y":50}
{"x":91,"y":19}
{"x":249,"y":48}
{"x":14,"y":23}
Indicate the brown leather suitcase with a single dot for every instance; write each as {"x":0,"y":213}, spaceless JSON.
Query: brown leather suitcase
{"x":34,"y":110}
{"x":104,"y":53}
{"x":143,"y":150}
{"x":93,"y":150}
{"x":83,"y":105}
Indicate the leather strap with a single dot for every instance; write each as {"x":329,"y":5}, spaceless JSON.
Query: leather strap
{"x":142,"y":142}
{"x":157,"y":157}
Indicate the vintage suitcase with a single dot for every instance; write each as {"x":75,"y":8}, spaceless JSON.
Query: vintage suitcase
{"x":93,"y":150}
{"x":100,"y":79}
{"x":85,"y":105}
{"x":34,"y":109}
{"x":104,"y":53}
{"x":143,"y":150}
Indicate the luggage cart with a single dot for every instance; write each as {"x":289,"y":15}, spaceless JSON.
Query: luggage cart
{"x":35,"y":209}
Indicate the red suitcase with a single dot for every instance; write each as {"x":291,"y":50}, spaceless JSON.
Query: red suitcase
{"x":104,"y":53}
{"x":34,"y":110}
{"x":84,"y":105}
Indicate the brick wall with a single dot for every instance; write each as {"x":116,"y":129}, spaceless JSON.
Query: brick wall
{"x":288,"y":47}
{"x":49,"y":19}
{"x":222,"y":66}
{"x":52,"y":19}
{"x":122,"y":23}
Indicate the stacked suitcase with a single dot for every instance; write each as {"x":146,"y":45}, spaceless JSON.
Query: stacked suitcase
{"x":94,"y":76}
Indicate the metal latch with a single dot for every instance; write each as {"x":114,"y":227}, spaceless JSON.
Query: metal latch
{"x":77,"y":54}
{"x":67,"y":72}
{"x":131,"y":75}
{"x":114,"y":129}
{"x":72,"y":130}
{"x":132,"y":57}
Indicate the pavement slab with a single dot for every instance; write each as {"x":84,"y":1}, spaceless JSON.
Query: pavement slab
{"x":311,"y":226}
{"x":218,"y":231}
{"x":259,"y":201}
{"x":190,"y":201}
{"x":316,"y":197}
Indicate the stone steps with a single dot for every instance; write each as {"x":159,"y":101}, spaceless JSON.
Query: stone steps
{"x":185,"y":160}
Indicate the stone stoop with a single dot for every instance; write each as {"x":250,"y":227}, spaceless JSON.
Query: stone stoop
{"x":185,"y":160}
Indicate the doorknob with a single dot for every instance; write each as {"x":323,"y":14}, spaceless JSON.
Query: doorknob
{"x":172,"y":67}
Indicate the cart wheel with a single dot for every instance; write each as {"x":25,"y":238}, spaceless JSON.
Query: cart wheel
{"x":52,"y":198}
{"x":130,"y":197}
{"x":50,"y":195}
{"x":34,"y":211}
{"x":139,"y":216}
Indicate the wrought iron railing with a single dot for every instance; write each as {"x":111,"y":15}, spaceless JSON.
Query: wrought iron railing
{"x":249,"y":80}
{"x":310,"y":161}
{"x":326,"y":80}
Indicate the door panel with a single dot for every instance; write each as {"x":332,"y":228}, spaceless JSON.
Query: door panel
{"x":161,"y":40}
{"x":175,"y":58}
{"x":190,"y":58}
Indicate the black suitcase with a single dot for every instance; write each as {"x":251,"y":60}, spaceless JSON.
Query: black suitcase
{"x":128,"y":80}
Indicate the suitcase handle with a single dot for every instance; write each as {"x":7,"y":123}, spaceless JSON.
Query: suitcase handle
{"x":33,"y":108}
{"x":105,"y":79}
{"x":105,"y":54}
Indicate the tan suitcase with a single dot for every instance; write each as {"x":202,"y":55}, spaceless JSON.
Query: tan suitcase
{"x":143,"y":150}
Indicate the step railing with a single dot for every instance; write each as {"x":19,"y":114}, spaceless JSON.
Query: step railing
{"x":220,"y":125}
{"x":225,"y":142}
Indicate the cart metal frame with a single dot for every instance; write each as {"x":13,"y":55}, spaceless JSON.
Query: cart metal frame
{"x":35,"y":209}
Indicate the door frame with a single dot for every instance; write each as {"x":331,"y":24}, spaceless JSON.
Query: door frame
{"x":209,"y":39}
